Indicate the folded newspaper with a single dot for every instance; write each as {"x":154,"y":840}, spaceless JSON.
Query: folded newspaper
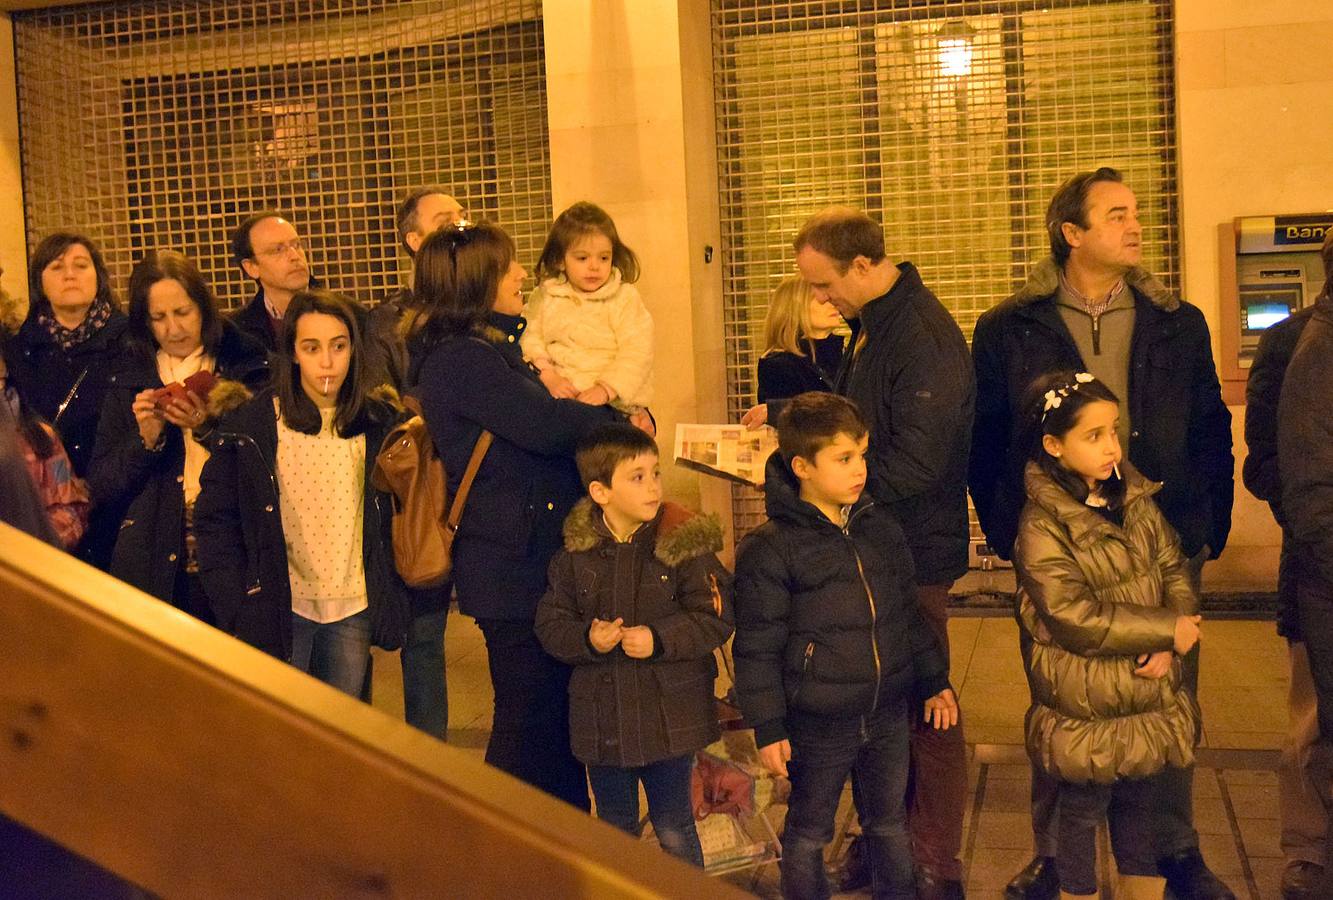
{"x":726,"y":451}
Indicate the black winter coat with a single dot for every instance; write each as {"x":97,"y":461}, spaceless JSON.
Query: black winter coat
{"x":1263,"y":391}
{"x":783,"y":374}
{"x":527,"y":483}
{"x":912,"y":380}
{"x":146,"y":484}
{"x":1181,"y":428}
{"x":633,"y":712}
{"x":45,"y":376}
{"x":241,"y":549}
{"x":827,"y":622}
{"x":1305,"y":451}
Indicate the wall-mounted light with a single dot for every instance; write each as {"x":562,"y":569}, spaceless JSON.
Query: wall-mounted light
{"x":955,"y":48}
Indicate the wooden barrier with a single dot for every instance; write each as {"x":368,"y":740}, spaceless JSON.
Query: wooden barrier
{"x":196,"y":766}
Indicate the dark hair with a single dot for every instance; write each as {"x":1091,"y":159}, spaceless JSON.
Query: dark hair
{"x":298,"y":410}
{"x":813,"y":420}
{"x":407,"y":219}
{"x":1058,"y":422}
{"x":1070,"y":204}
{"x":458,"y":272}
{"x":161,"y":265}
{"x":842,"y":234}
{"x":580,"y":220}
{"x":51,"y":248}
{"x":603,"y":449}
{"x":241,"y":246}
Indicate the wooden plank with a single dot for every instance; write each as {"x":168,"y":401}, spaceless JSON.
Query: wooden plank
{"x":194,"y":765}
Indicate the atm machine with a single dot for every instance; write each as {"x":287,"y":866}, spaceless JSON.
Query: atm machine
{"x":1270,"y":268}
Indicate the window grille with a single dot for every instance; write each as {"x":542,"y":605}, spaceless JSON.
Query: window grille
{"x":951,"y":122}
{"x":163,"y":124}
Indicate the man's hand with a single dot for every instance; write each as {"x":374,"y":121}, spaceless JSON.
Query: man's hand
{"x":756,"y":417}
{"x":942,"y":710}
{"x":605,"y":635}
{"x":775,"y":756}
{"x":637,"y":642}
{"x":1156,"y":665}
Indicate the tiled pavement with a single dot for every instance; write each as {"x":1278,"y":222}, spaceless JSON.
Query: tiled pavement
{"x":1243,"y":684}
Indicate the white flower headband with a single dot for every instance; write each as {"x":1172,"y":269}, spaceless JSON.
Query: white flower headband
{"x":1055,"y":396}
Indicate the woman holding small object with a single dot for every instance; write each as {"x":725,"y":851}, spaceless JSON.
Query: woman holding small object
{"x":150,"y":448}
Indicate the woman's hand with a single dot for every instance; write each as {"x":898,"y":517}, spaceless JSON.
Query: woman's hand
{"x":190,"y":412}
{"x":1187,"y":633}
{"x":148,"y":418}
{"x":644,"y":422}
{"x":756,"y":417}
{"x":1155,"y":665}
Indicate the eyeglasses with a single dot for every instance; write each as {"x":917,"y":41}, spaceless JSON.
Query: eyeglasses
{"x":278,"y":251}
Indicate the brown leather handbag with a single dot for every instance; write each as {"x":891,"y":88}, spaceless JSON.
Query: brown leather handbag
{"x":408,"y":468}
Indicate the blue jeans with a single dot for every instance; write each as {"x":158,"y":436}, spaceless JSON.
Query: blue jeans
{"x":874,"y":750}
{"x":336,"y":652}
{"x":425,"y":693}
{"x":667,"y":784}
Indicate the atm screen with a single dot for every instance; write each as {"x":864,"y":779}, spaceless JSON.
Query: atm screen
{"x":1259,"y":316}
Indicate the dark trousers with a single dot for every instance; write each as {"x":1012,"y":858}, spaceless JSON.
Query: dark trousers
{"x":874,"y":750}
{"x":937,"y":788}
{"x":667,"y":785}
{"x":1173,"y":810}
{"x":530,"y":725}
{"x":1128,"y":805}
{"x":425,"y":689}
{"x":188,"y":596}
{"x":1314,"y":601}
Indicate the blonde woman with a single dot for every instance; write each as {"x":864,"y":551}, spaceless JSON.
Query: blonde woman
{"x":802,"y":352}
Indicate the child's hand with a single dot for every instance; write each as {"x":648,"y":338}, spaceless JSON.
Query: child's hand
{"x":637,"y":642}
{"x":1187,"y":633}
{"x":558,"y":385}
{"x":605,"y":635}
{"x":942,"y":710}
{"x":595,"y":396}
{"x":775,"y":756}
{"x":1156,"y":665}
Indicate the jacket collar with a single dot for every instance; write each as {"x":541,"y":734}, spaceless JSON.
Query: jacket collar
{"x":1044,"y":280}
{"x":880,"y":313}
{"x":1084,"y":523}
{"x":560,"y":287}
{"x":675,"y":535}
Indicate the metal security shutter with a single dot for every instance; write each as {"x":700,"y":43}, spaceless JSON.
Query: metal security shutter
{"x":951,"y":122}
{"x":163,"y":124}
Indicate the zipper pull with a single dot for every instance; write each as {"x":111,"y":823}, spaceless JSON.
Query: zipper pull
{"x":1096,"y":335}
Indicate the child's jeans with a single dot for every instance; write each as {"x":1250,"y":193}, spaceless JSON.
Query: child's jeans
{"x":874,"y":749}
{"x":1130,"y":805}
{"x":667,"y":784}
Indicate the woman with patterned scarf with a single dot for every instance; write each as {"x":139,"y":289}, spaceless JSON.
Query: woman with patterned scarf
{"x":64,"y":353}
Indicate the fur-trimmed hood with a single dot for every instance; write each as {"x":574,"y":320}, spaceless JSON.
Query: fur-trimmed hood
{"x":1044,"y":280}
{"x":679,"y":533}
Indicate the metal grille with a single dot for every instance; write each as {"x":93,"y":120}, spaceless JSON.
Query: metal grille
{"x":163,"y":124}
{"x":951,"y":122}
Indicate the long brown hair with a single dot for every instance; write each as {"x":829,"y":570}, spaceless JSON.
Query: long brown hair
{"x":458,"y":272}
{"x":52,"y":247}
{"x":580,"y":220}
{"x":161,"y":265}
{"x":299,"y":412}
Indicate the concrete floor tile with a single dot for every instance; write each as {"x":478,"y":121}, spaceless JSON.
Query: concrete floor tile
{"x":1004,"y":830}
{"x":1219,"y":851}
{"x":1245,"y":740}
{"x":1011,"y":795}
{"x":996,"y":665}
{"x":995,"y":734}
{"x":1265,"y":777}
{"x":1015,"y":772}
{"x":1210,"y":816}
{"x":1260,"y":836}
{"x":1205,"y":783}
{"x":1257,"y":801}
{"x":999,"y":633}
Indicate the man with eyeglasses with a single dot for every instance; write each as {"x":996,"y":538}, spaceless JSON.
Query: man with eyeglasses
{"x":268,"y":249}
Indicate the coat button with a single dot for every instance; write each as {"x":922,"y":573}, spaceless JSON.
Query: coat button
{"x":1133,"y":434}
{"x":550,"y":506}
{"x":511,"y":339}
{"x":171,"y":558}
{"x":268,"y":508}
{"x":606,"y":679}
{"x":180,"y":479}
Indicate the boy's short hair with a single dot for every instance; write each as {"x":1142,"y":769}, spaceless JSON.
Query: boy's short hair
{"x":604,"y":448}
{"x":813,"y":420}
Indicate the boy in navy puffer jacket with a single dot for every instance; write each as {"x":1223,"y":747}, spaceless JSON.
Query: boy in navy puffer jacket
{"x":832,"y":654}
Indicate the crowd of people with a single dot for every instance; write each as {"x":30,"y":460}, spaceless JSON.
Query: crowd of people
{"x":224,"y":464}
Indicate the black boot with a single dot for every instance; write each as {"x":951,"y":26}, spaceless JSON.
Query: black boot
{"x":1189,"y":878}
{"x":1038,"y":881}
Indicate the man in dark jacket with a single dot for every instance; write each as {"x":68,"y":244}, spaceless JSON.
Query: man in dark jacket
{"x":833,"y":654}
{"x":909,"y":373}
{"x":1091,"y":308}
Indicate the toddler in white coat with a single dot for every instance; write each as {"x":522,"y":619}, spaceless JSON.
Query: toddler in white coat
{"x":589,"y":335}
